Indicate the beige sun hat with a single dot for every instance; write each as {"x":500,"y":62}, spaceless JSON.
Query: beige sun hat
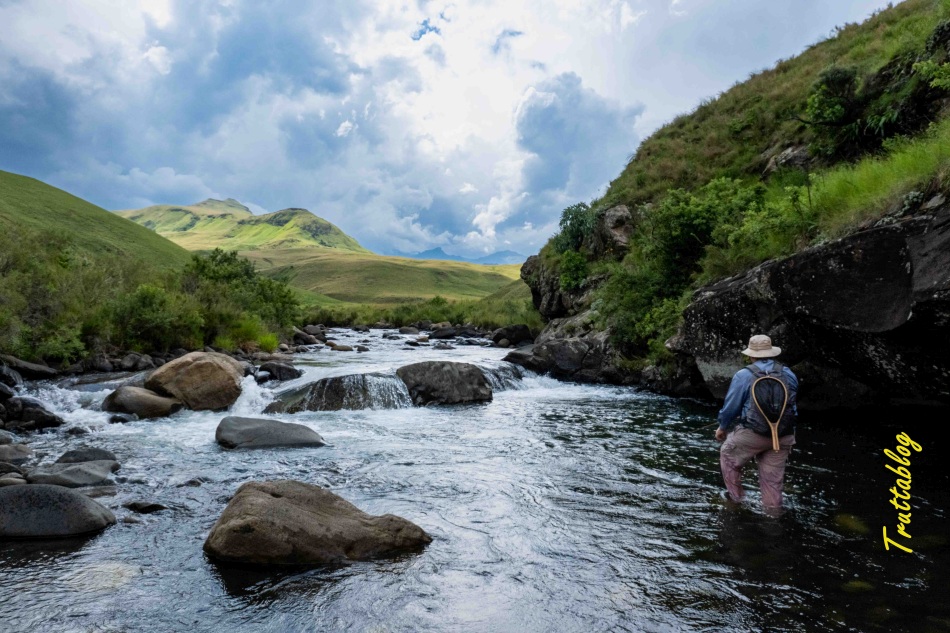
{"x":760,"y":346}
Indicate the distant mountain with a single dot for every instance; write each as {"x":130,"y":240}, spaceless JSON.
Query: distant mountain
{"x":230,"y":225}
{"x":499,"y":258}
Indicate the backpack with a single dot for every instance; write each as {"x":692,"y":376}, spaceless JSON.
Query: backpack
{"x":772,"y":410}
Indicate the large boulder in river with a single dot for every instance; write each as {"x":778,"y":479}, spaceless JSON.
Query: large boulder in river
{"x":141,"y":402}
{"x":443,"y":382}
{"x":514,"y":334}
{"x":294,"y":523}
{"x":238,"y":432}
{"x":353,"y":391}
{"x":77,"y":475}
{"x":201,"y":380}
{"x":48,"y":512}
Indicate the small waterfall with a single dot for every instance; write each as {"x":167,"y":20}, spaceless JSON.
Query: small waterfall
{"x":504,"y":377}
{"x":253,"y":398}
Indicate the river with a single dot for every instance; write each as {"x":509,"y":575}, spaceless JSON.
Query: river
{"x":556,"y":507}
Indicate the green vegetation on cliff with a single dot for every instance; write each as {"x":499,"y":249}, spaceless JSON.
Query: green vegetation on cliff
{"x":854,"y":128}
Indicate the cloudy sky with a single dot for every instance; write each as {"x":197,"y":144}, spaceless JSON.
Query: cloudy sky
{"x":465,"y":124}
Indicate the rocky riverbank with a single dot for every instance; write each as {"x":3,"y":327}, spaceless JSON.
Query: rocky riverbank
{"x":863,"y":320}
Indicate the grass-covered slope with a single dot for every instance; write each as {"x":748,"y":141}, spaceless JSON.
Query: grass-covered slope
{"x":229,"y":225}
{"x":28,"y":205}
{"x":738,"y":132}
{"x":375,"y":279}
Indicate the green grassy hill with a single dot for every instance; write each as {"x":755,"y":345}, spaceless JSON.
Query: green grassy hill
{"x":736,"y":133}
{"x":374,"y":279}
{"x":229,"y":225}
{"x":326,"y":266}
{"x":28,"y":205}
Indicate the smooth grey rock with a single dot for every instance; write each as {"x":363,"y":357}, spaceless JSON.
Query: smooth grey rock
{"x":7,"y":467}
{"x":86,"y":454}
{"x":143,"y":403}
{"x":12,"y":479}
{"x":7,"y":438}
{"x":41,"y":511}
{"x":15,"y":453}
{"x":351,"y":392}
{"x":294,"y":523}
{"x":238,"y":432}
{"x":144,"y":507}
{"x":29,"y":414}
{"x":444,"y":382}
{"x":95,"y":473}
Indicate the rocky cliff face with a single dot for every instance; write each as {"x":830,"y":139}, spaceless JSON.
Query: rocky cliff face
{"x":862,"y":320}
{"x":571,"y":346}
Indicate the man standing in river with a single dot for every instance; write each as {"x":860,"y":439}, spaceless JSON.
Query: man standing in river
{"x":740,"y":443}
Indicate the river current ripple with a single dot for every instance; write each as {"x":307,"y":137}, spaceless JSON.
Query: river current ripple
{"x":556,"y":507}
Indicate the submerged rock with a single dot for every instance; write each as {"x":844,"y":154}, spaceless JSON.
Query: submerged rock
{"x":42,"y":511}
{"x":444,"y":382}
{"x":86,"y":454}
{"x":140,"y":402}
{"x":350,"y":392}
{"x":238,"y":432}
{"x":15,"y":453}
{"x":294,"y":523}
{"x":95,"y":473}
{"x":201,"y":380}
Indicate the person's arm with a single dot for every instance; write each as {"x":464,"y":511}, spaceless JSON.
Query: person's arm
{"x":735,"y":400}
{"x":792,"y":383}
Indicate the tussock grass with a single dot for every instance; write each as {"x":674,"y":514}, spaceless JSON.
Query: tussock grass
{"x":849,"y":195}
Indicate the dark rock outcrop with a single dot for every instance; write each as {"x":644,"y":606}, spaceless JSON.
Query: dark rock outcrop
{"x":200,"y":380}
{"x":610,"y":237}
{"x":515,"y":335}
{"x":10,"y":377}
{"x":24,"y":413}
{"x":238,"y":432}
{"x":281,"y":371}
{"x":41,"y":511}
{"x":30,"y":371}
{"x":863,"y":319}
{"x":443,"y":382}
{"x":294,"y":523}
{"x":140,"y":402}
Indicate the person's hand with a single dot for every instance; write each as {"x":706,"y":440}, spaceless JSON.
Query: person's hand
{"x":720,"y":434}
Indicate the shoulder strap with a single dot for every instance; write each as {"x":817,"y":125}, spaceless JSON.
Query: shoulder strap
{"x":755,"y":369}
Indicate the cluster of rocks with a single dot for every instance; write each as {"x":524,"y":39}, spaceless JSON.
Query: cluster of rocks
{"x":265,"y":523}
{"x":19,"y":412}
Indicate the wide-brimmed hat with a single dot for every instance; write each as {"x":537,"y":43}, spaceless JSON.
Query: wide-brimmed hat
{"x":760,"y":346}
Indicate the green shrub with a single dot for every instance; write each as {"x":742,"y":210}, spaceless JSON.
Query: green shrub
{"x":268,"y":342}
{"x":574,"y":270}
{"x":224,"y":342}
{"x":577,"y":222}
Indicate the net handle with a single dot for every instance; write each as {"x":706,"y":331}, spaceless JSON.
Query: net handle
{"x":772,"y":425}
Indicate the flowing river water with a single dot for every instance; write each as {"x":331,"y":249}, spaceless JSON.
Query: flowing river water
{"x":556,"y":507}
